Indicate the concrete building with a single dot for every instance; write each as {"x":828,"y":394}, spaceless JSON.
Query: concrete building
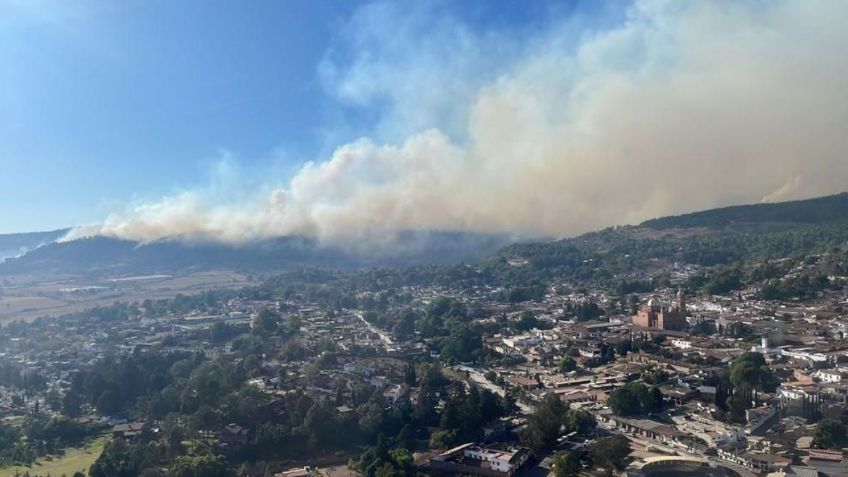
{"x":472,"y":459}
{"x":657,"y":316}
{"x":828,"y":376}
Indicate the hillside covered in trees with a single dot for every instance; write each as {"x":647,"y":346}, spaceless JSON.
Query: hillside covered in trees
{"x":820,"y":210}
{"x":744,"y":236}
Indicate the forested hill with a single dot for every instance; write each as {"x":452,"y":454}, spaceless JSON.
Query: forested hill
{"x":103,"y":255}
{"x":732,"y":235}
{"x":790,"y":250}
{"x":821,"y":210}
{"x":16,"y":244}
{"x":743,"y":236}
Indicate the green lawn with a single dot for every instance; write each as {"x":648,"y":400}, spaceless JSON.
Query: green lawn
{"x":78,"y":459}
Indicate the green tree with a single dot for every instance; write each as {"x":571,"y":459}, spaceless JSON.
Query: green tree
{"x":463,"y":344}
{"x":293,"y":324}
{"x":265,"y":322}
{"x":566,"y":464}
{"x":634,"y":399}
{"x":443,"y":439}
{"x":526,"y":321}
{"x":739,"y":402}
{"x":410,"y":378}
{"x":545,"y":424}
{"x":220,"y":331}
{"x":200,"y":466}
{"x":567,"y":364}
{"x":610,"y":453}
{"x":204,"y":419}
{"x":405,"y":325}
{"x":320,"y":423}
{"x":71,"y":404}
{"x":578,"y":420}
{"x":402,"y":460}
{"x":830,"y":434}
{"x":750,"y":370}
{"x":117,"y":460}
{"x":109,"y":402}
{"x":723,"y":281}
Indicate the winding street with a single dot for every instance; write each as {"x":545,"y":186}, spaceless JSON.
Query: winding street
{"x":480,"y":381}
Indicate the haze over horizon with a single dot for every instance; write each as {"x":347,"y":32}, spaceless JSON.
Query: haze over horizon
{"x":358,"y":121}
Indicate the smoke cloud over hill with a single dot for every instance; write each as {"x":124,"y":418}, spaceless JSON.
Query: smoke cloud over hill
{"x":684,"y":106}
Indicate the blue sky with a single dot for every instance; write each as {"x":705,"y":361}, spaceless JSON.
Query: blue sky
{"x":103,"y":103}
{"x":341,"y":120}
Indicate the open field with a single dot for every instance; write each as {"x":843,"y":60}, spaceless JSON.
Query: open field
{"x":79,"y":459}
{"x":28,"y":297}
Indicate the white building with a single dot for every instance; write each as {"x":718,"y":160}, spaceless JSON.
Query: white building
{"x":472,"y":459}
{"x":804,"y":353}
{"x":828,"y":376}
{"x":765,"y":349}
{"x":681,"y":343}
{"x":522,"y":341}
{"x":506,"y":461}
{"x":791,"y":392}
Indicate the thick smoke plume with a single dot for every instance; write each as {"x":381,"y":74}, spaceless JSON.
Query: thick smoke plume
{"x":684,"y":106}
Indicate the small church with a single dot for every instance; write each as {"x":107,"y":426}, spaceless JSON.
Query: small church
{"x":660,"y":317}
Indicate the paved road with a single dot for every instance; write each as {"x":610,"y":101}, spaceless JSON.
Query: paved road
{"x":480,"y":380}
{"x":384,"y":337}
{"x":476,"y":376}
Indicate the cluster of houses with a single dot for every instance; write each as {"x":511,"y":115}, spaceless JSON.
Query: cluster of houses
{"x":677,"y":342}
{"x":804,"y":344}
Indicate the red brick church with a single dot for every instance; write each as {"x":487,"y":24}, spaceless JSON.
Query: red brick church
{"x":660,"y":317}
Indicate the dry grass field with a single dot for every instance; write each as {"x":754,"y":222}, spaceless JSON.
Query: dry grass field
{"x":28,"y":297}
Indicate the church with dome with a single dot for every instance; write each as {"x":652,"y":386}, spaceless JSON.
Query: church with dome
{"x":659,"y":317}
